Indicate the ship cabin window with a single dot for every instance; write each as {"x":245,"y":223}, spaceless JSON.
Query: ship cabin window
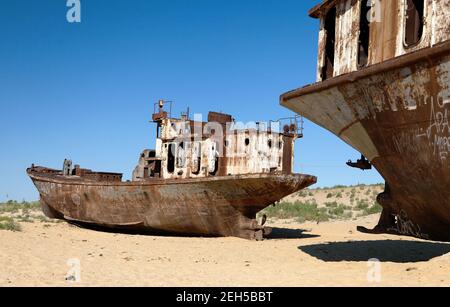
{"x":364,"y":33}
{"x":171,"y":158}
{"x":197,"y":158}
{"x":158,"y":131}
{"x":330,"y":29}
{"x":414,"y":21}
{"x":181,"y":155}
{"x":214,"y":159}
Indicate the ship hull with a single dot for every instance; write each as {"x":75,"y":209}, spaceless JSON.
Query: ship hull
{"x":396,"y":114}
{"x":219,"y":206}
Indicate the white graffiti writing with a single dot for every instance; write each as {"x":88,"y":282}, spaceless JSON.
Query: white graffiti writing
{"x":438,"y":131}
{"x":408,"y":142}
{"x":407,"y":227}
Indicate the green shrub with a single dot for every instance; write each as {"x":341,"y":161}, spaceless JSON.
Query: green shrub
{"x":331,"y":204}
{"x":7,"y":223}
{"x":340,"y":211}
{"x":14,"y":206}
{"x":302,"y":194}
{"x":25,"y":219}
{"x":374,"y":209}
{"x":308,"y":211}
{"x":362,"y":205}
{"x":339,"y":187}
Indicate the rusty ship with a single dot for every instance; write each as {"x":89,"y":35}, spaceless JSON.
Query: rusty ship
{"x":203,"y":179}
{"x":383,"y":78}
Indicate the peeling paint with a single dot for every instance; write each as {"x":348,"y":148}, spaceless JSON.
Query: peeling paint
{"x":387,"y":34}
{"x":210,"y":182}
{"x":394,"y":111}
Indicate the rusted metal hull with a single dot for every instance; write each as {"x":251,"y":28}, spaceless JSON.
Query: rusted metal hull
{"x":219,"y":206}
{"x":396,"y":114}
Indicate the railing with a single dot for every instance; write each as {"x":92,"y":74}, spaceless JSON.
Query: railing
{"x":159,"y":107}
{"x":289,"y":125}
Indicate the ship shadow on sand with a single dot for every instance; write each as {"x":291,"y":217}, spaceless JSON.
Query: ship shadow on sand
{"x":276,"y":234}
{"x":132,"y":231}
{"x":288,"y":233}
{"x":396,"y":251}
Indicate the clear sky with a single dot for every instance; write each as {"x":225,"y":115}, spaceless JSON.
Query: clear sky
{"x":86,"y":91}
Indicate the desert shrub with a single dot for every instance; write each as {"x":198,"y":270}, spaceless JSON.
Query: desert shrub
{"x":374,"y":209}
{"x":339,"y":187}
{"x":331,"y":204}
{"x":14,"y":206}
{"x":7,"y":223}
{"x":340,"y":211}
{"x":302,"y":194}
{"x":308,"y":211}
{"x":362,"y":205}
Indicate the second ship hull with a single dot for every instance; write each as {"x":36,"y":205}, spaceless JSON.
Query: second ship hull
{"x":396,"y":114}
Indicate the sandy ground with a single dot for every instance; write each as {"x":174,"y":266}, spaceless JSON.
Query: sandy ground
{"x":328,"y":254}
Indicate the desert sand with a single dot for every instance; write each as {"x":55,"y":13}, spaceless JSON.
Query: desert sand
{"x":309,"y":254}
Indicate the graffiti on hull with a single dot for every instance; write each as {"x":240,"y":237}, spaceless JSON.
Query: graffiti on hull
{"x":437,"y":133}
{"x":405,"y":226}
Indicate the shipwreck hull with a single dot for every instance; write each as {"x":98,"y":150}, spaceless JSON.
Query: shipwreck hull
{"x":219,"y":206}
{"x":396,"y":114}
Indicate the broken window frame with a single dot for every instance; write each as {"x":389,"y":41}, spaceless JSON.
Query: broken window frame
{"x":419,"y":32}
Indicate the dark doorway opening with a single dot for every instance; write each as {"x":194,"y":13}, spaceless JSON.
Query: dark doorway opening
{"x":330,"y":29}
{"x":364,"y":34}
{"x":414,"y":21}
{"x":171,"y":158}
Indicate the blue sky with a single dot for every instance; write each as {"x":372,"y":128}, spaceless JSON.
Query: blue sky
{"x":86,"y":91}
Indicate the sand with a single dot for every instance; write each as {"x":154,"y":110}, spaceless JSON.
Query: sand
{"x":326,"y":254}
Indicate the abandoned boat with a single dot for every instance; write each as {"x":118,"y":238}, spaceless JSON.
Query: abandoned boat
{"x":383,"y":86}
{"x":204,"y":178}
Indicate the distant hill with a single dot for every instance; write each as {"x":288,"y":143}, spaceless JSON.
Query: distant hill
{"x":324,"y":204}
